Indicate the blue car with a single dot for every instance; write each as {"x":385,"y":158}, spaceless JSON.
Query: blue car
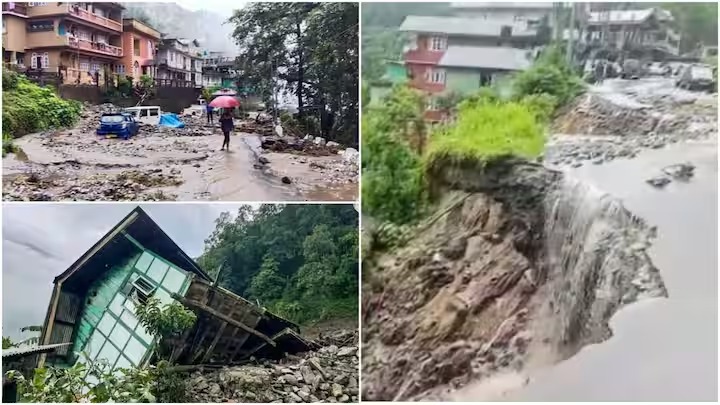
{"x":118,"y":125}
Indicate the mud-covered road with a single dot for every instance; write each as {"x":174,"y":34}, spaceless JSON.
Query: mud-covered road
{"x":166,"y":164}
{"x":662,"y":349}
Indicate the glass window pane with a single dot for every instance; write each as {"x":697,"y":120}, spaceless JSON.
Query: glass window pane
{"x":106,"y":324}
{"x":144,"y":262}
{"x":92,"y":348}
{"x":129,"y":319}
{"x":163,"y":296}
{"x":157,"y":270}
{"x":120,"y":336}
{"x":174,"y":280}
{"x":116,"y":306}
{"x":129,"y":304}
{"x":109,"y":353}
{"x":143,"y":333}
{"x":135,"y":351}
{"x":123,"y":362}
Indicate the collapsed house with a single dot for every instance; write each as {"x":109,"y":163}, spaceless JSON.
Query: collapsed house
{"x":93,"y":306}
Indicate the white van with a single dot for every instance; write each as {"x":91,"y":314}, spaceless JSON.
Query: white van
{"x":145,"y":114}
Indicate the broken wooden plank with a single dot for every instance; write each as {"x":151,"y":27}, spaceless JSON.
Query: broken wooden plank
{"x":216,"y":314}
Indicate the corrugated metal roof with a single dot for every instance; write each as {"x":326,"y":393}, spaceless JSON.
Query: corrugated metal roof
{"x":627,"y":16}
{"x":459,"y":26}
{"x":501,"y":5}
{"x":28,"y":350}
{"x":501,"y":58}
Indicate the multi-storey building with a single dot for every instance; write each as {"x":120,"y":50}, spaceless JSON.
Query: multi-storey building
{"x":219,"y":70}
{"x":80,"y":41}
{"x":179,"y":62}
{"x":14,"y":18}
{"x":476,"y":48}
{"x":649,"y":28}
{"x":140,"y":42}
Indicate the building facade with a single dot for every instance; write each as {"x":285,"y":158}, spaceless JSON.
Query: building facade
{"x":219,"y":70}
{"x":650,"y":29}
{"x":476,"y":48}
{"x":140,"y":42}
{"x":79,"y":41}
{"x":179,"y":62}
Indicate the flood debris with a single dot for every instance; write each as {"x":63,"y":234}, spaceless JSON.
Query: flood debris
{"x":170,"y":163}
{"x":621,"y":118}
{"x":680,"y":171}
{"x":329,"y":373}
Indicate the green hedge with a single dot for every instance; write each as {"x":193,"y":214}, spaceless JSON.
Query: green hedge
{"x":29,"y":108}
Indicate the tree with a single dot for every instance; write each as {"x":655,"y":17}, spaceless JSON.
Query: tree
{"x":312,"y":49}
{"x":268,"y":285}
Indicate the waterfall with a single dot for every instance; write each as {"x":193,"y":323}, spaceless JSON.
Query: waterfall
{"x":596,"y":261}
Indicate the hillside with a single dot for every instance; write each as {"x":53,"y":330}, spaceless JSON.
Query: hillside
{"x":175,"y":21}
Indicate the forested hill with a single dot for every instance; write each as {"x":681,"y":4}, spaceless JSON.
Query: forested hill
{"x":299,"y":261}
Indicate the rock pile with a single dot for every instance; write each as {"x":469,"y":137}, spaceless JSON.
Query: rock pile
{"x":329,"y":374}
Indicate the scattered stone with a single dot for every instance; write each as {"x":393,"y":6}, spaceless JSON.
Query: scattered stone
{"x":658,"y":182}
{"x":682,"y":171}
{"x":263,"y":160}
{"x":286,"y":180}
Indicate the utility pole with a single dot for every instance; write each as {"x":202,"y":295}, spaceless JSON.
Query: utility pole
{"x":571,"y":35}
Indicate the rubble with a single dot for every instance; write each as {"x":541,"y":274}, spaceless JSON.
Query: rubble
{"x":329,"y":374}
{"x":601,"y":126}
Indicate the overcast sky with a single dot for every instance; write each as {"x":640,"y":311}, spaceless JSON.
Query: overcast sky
{"x":40,"y":241}
{"x":223,"y":7}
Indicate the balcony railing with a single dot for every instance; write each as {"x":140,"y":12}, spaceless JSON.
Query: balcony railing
{"x":14,"y":8}
{"x":98,"y":47}
{"x":93,"y":18}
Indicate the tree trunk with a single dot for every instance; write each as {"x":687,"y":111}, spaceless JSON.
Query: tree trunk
{"x":301,"y":68}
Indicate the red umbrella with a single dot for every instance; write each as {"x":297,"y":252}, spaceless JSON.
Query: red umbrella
{"x":225,"y":102}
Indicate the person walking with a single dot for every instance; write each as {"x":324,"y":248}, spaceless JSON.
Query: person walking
{"x":209,"y":111}
{"x":227,"y":126}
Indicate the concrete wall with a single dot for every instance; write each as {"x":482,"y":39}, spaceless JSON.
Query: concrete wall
{"x":170,"y":99}
{"x":14,"y":39}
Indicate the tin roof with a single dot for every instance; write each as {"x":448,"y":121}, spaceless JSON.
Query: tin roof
{"x":501,"y":5}
{"x":30,"y":350}
{"x":498,"y":58}
{"x":460,"y":26}
{"x":627,"y":16}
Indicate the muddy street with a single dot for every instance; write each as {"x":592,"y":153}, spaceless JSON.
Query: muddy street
{"x":162,"y":163}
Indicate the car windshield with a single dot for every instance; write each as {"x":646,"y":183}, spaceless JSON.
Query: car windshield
{"x":702,"y":72}
{"x":112,"y":119}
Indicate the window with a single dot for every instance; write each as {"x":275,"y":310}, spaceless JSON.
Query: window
{"x":120,"y":69}
{"x":43,"y":58}
{"x":438,"y":43}
{"x":84,"y":66}
{"x":158,"y":268}
{"x":136,"y":47}
{"x":141,"y":290}
{"x":144,"y":262}
{"x":37,"y":4}
{"x":150,"y":48}
{"x":95,"y":67}
{"x":436,"y":76}
{"x":84,"y":35}
{"x":432,"y":104}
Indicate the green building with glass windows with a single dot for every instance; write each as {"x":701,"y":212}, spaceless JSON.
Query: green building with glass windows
{"x":93,"y":303}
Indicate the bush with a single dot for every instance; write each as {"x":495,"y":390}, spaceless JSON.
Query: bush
{"x":544,"y":78}
{"x":9,"y":80}
{"x":487,"y":131}
{"x":28,"y":108}
{"x":7,"y":145}
{"x":542,"y":105}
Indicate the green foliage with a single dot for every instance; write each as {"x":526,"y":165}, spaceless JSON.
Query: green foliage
{"x":698,"y":23}
{"x":166,"y":322}
{"x":549,"y":75}
{"x":542,"y":105}
{"x":96,"y":382}
{"x":276,"y":253}
{"x":487,"y":131}
{"x":315,"y":45}
{"x":7,"y":144}
{"x":268,"y":285}
{"x":10,"y":79}
{"x":28,"y":108}
{"x":7,"y":343}
{"x":393,"y":188}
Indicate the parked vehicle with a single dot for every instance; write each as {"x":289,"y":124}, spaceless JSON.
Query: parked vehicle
{"x":145,"y":114}
{"x":118,"y":125}
{"x":697,"y":77}
{"x":631,"y":69}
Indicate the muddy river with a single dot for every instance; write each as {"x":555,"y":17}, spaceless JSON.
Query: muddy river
{"x":661,"y":349}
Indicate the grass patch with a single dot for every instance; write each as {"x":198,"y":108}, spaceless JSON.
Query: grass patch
{"x":487,"y":131}
{"x":7,"y":145}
